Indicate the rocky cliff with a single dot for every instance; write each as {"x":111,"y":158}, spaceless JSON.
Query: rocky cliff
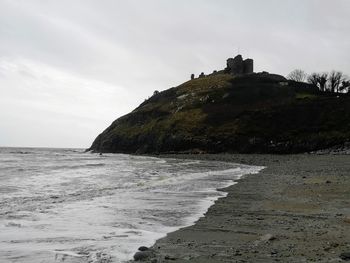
{"x":254,"y":113}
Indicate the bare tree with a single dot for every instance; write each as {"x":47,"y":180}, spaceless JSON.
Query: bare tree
{"x":335,"y":80}
{"x":345,"y":85}
{"x":313,"y":79}
{"x":297,"y":75}
{"x":319,"y":80}
{"x":323,"y":78}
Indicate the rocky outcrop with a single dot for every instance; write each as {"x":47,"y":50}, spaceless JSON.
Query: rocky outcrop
{"x":254,"y":113}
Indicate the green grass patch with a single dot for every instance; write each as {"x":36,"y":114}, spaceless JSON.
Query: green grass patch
{"x":301,"y":96}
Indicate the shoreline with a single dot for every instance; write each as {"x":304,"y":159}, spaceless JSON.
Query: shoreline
{"x":297,"y":209}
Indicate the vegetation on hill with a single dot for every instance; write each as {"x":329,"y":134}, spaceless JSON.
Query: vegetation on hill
{"x":255,"y":113}
{"x":334,"y":81}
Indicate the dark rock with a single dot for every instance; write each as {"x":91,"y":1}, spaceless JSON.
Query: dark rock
{"x":143,"y":255}
{"x":339,"y":214}
{"x":345,"y":256}
{"x":143,"y":248}
{"x":327,"y":249}
{"x":167,"y":257}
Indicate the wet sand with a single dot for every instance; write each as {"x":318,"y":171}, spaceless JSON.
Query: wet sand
{"x":295,"y":210}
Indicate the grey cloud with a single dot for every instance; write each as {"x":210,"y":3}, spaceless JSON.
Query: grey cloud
{"x":139,"y":46}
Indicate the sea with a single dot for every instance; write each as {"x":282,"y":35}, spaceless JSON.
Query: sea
{"x":67,"y":205}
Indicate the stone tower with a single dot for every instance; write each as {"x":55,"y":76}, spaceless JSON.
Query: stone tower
{"x":235,"y":65}
{"x":248,"y":66}
{"x":238,"y":66}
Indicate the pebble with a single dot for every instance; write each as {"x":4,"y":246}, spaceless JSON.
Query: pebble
{"x":268,"y":237}
{"x":167,"y":257}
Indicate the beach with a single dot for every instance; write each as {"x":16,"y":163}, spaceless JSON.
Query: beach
{"x":64,"y":205}
{"x":295,"y":210}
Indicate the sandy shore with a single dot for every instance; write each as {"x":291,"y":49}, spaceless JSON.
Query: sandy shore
{"x":295,"y":210}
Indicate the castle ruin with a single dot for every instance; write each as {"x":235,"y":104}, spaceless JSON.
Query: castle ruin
{"x":234,"y":66}
{"x":238,"y":66}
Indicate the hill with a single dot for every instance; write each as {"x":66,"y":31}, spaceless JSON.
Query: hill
{"x":251,"y":113}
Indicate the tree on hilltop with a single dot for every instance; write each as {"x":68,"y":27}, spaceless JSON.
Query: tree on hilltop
{"x":314,"y":79}
{"x":297,"y":75}
{"x":335,"y":80}
{"x":319,"y":80}
{"x":345,"y":85}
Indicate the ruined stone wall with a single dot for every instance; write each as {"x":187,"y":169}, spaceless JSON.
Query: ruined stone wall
{"x":235,"y":65}
{"x":238,"y":66}
{"x":248,"y":66}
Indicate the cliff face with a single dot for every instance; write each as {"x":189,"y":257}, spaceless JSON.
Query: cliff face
{"x":255,"y":113}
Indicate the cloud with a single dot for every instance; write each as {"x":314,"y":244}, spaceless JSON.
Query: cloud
{"x":57,"y":102}
{"x":86,"y":62}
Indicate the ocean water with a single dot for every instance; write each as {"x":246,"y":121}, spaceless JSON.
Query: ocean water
{"x":64,"y":205}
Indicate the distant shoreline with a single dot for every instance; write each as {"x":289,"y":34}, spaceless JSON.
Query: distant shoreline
{"x":295,"y":210}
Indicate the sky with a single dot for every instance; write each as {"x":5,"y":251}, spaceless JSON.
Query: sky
{"x":69,"y":68}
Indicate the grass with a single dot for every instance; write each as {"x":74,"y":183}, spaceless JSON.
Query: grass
{"x":305,"y":96}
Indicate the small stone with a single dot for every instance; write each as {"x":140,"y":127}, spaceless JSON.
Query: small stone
{"x":268,"y":237}
{"x":143,"y":248}
{"x":334,"y":244}
{"x":347,"y":220}
{"x":167,"y":257}
{"x":327,"y":249}
{"x":339,"y":214}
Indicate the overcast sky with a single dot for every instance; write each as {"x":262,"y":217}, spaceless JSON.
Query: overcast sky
{"x":68,"y":68}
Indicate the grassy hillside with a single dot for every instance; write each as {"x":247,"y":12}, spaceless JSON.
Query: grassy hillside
{"x":261,"y":113}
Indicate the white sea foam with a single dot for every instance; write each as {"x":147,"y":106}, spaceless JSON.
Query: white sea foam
{"x":69,"y":206}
